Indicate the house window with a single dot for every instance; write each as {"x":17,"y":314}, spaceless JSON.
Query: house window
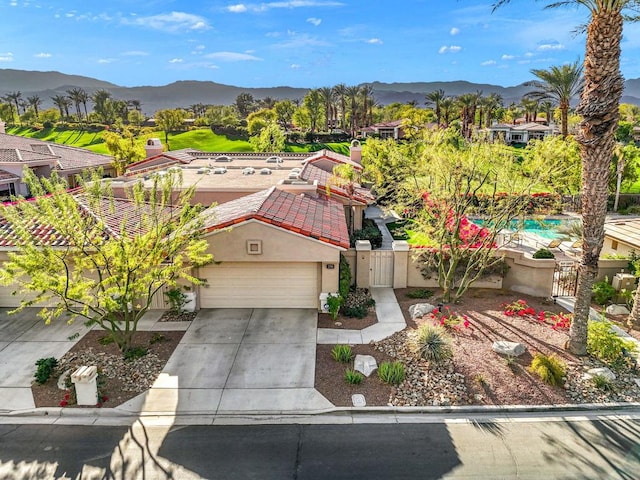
{"x":254,"y":247}
{"x":614,"y":244}
{"x":6,"y":191}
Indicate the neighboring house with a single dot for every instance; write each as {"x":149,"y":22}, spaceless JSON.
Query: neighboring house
{"x":43,"y":158}
{"x":384,"y":130}
{"x":521,"y":133}
{"x":621,"y":237}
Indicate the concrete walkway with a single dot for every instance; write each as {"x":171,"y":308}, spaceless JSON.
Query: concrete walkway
{"x":390,"y":321}
{"x":376,"y":214}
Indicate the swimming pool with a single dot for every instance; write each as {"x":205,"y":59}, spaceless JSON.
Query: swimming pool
{"x":546,"y":228}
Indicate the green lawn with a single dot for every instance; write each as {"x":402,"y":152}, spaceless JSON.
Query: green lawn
{"x":201,"y":139}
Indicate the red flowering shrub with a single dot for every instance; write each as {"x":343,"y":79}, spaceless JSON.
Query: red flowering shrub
{"x":519,"y":307}
{"x":449,"y":319}
{"x":558,"y":321}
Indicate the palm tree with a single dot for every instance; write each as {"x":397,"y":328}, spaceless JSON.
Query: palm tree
{"x":490,"y":104}
{"x":599,"y":103}
{"x":14,"y":98}
{"x":560,"y":84}
{"x":60,"y":101}
{"x":366,"y":94}
{"x":76,"y":96}
{"x":467,"y":103}
{"x":547,"y":107}
{"x":435,"y":98}
{"x":329,"y":108}
{"x":340,"y":91}
{"x":34,"y":102}
{"x":102,"y":105}
{"x":352,"y":94}
{"x":447,"y":105}
{"x":530,"y":107}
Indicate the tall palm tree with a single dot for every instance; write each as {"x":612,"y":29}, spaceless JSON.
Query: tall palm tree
{"x":60,"y":101}
{"x":329,"y":108}
{"x":352,"y":94}
{"x":530,"y":107}
{"x":490,"y":104}
{"x":435,"y":98}
{"x":447,"y":105}
{"x":76,"y":96}
{"x":547,"y":107}
{"x":340,"y":92}
{"x":366,"y":94}
{"x":467,"y":104}
{"x":34,"y":102}
{"x":560,"y":84}
{"x":14,"y":98}
{"x":599,"y":103}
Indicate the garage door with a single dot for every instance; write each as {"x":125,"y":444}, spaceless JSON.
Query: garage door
{"x":260,"y":285}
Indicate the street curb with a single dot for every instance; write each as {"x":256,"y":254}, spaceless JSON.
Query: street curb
{"x":59,"y":412}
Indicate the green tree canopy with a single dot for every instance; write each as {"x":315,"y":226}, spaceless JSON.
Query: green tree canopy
{"x":103,"y":258}
{"x":270,"y":139}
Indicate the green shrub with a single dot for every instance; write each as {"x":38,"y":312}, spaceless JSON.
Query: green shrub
{"x":544,"y":253}
{"x":603,"y":383}
{"x":433,"y":343}
{"x":135,"y":352}
{"x":334,"y":302}
{"x":345,"y":277}
{"x":391,"y":372}
{"x":45,"y":369}
{"x":357,"y":311}
{"x":605,"y":344}
{"x":548,"y":367}
{"x":106,"y":339}
{"x":176,"y":299}
{"x":420,"y":293}
{"x":342,"y":353}
{"x":370,"y":231}
{"x":353,"y":377}
{"x":633,"y":210}
{"x":602,"y":292}
{"x":157,"y":338}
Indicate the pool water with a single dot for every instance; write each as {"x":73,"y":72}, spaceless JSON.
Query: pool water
{"x":547,"y":228}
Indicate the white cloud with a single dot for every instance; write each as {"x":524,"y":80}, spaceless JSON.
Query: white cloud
{"x":488,"y":63}
{"x":176,"y":60}
{"x":42,"y":55}
{"x":547,"y":46}
{"x":507,"y":57}
{"x":135,"y":53}
{"x":449,"y":49}
{"x":263,"y":7}
{"x":374,"y":41}
{"x":299,"y":41}
{"x":314,"y":21}
{"x":294,"y":66}
{"x":239,"y":8}
{"x":106,"y":60}
{"x":454,"y":31}
{"x":529,"y":54}
{"x":232,"y":57}
{"x":6,"y":57}
{"x":171,"y":22}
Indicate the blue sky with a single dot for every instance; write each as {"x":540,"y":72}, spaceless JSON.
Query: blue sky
{"x":301,"y":43}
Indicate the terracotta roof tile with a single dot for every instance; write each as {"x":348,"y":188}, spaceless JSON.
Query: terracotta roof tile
{"x":311,"y":173}
{"x":319,"y":218}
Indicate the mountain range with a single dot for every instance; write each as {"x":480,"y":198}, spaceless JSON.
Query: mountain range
{"x":184,"y":93}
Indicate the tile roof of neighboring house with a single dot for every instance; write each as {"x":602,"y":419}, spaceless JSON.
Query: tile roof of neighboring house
{"x":625,"y":231}
{"x":311,"y":173}
{"x":22,"y":149}
{"x":6,"y":176}
{"x":319,"y":218}
{"x":333,"y":156}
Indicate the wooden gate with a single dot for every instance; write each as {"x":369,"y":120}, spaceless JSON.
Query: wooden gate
{"x":381,"y":268}
{"x":565,"y":279}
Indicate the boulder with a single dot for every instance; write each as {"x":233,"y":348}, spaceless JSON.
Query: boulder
{"x":617,"y":310}
{"x":365,"y":364}
{"x":602,"y":371}
{"x":419,"y":310}
{"x":511,"y":349}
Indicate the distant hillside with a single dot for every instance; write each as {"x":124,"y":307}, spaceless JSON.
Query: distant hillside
{"x":190,"y":92}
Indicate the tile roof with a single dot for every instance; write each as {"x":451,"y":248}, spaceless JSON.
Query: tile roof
{"x":311,"y":173}
{"x":334,"y":157}
{"x":22,"y":149}
{"x":319,"y":218}
{"x":625,"y":231}
{"x":7,"y":176}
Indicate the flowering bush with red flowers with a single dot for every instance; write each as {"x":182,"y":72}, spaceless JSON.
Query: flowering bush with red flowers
{"x":558,"y":321}
{"x":519,"y":307}
{"x":447,"y":318}
{"x":65,"y":400}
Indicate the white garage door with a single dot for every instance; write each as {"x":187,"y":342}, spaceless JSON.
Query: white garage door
{"x":260,"y":285}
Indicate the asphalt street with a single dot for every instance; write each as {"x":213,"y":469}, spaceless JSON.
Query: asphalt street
{"x":525,"y":448}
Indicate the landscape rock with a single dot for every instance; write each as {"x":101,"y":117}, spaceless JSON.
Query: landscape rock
{"x":617,"y":310}
{"x":365,"y":364}
{"x":419,"y":310}
{"x":512,"y":349}
{"x":358,"y":400}
{"x":601,"y":371}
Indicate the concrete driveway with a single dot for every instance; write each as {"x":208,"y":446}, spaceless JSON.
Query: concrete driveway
{"x":240,"y":360}
{"x":24,"y":338}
